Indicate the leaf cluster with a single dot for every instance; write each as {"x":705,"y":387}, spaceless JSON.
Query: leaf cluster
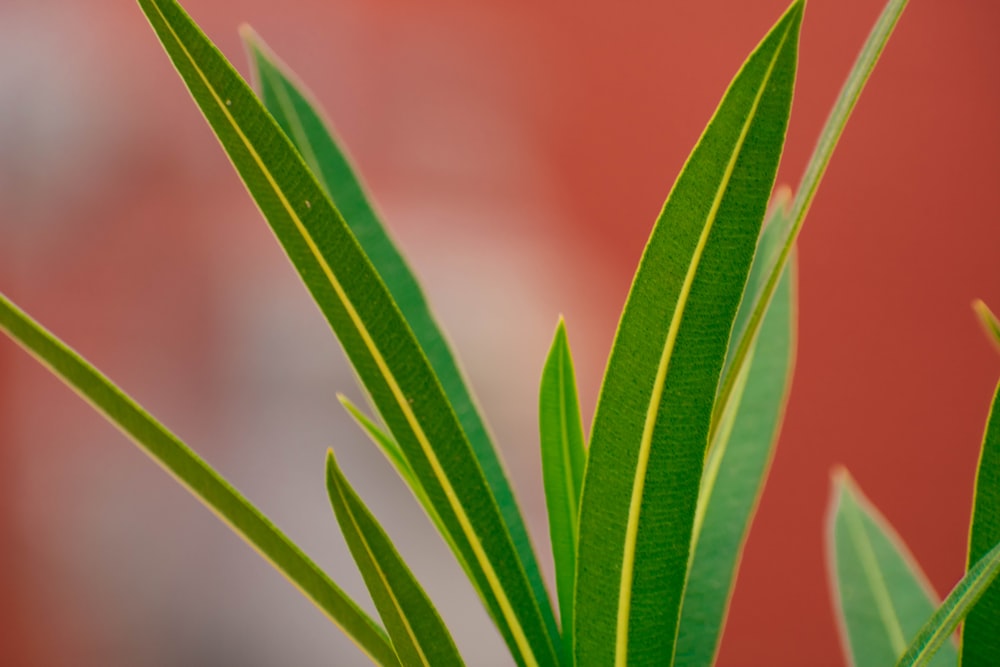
{"x":649,"y":511}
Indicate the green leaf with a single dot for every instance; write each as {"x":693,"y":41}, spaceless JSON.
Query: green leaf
{"x":198,"y":478}
{"x":379,"y":343}
{"x":292,"y":106}
{"x":563,"y":460}
{"x":395,"y":456}
{"x":962,"y":599}
{"x":651,"y":426}
{"x":981,"y":631}
{"x":775,"y":261}
{"x":390,"y":448}
{"x":418,"y":634}
{"x":881,"y":595}
{"x":991,"y":325}
{"x":734,"y":476}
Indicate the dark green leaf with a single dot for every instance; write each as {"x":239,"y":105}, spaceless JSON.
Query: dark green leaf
{"x":360,"y":309}
{"x":300,"y":117}
{"x":651,"y":427}
{"x":981,"y":631}
{"x":418,"y":634}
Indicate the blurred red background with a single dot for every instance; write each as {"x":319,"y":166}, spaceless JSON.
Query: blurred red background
{"x":521,"y":152}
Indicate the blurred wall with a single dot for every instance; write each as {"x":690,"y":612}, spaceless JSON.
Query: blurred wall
{"x":520,"y":152}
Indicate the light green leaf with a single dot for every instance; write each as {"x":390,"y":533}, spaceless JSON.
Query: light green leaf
{"x":293,"y":107}
{"x":390,"y":448}
{"x":775,"y":261}
{"x":981,"y":631}
{"x":418,"y":634}
{"x":881,"y":595}
{"x":962,"y":599}
{"x":735,"y":471}
{"x":198,"y":478}
{"x":651,"y":426}
{"x":395,"y":455}
{"x":991,"y":325}
{"x":379,"y":343}
{"x":563,"y":460}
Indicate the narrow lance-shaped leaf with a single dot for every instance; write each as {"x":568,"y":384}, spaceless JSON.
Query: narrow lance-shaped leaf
{"x":360,"y":309}
{"x":198,"y":478}
{"x":300,"y":117}
{"x":962,"y":599}
{"x":390,"y":448}
{"x":418,"y":634}
{"x":651,"y":426}
{"x":989,"y":321}
{"x":734,"y":477}
{"x":563,"y":460}
{"x":981,"y":631}
{"x":815,"y":169}
{"x":881,"y":595}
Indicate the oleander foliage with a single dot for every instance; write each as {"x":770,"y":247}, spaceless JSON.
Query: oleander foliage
{"x":648,"y":513}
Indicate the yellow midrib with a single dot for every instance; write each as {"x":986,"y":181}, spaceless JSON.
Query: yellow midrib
{"x":502,"y":600}
{"x":381,"y":575}
{"x":645,"y":443}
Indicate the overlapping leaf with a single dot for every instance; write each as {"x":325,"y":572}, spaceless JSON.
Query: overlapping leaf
{"x":563,"y":460}
{"x":963,"y":598}
{"x":774,"y":263}
{"x":981,"y":631}
{"x":355,"y":301}
{"x":198,"y":478}
{"x":651,"y":427}
{"x":735,"y":473}
{"x":882,"y":596}
{"x":302,"y":121}
{"x":418,"y":634}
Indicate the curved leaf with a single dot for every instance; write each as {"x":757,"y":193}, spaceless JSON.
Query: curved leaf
{"x":651,"y":426}
{"x":379,"y":343}
{"x":981,"y":630}
{"x":734,"y":476}
{"x":300,"y":117}
{"x":775,"y":261}
{"x":418,"y":634}
{"x":962,"y":599}
{"x":198,"y":478}
{"x":882,"y":596}
{"x":563,"y":460}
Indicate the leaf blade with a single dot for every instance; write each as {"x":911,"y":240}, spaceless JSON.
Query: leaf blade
{"x":359,"y":308}
{"x":398,"y":460}
{"x":882,"y":596}
{"x":563,"y":460}
{"x":962,"y":599}
{"x":418,"y":634}
{"x":660,"y":382}
{"x":292,"y":107}
{"x":203,"y":482}
{"x":734,"y":476}
{"x":815,"y":170}
{"x":980,"y":637}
